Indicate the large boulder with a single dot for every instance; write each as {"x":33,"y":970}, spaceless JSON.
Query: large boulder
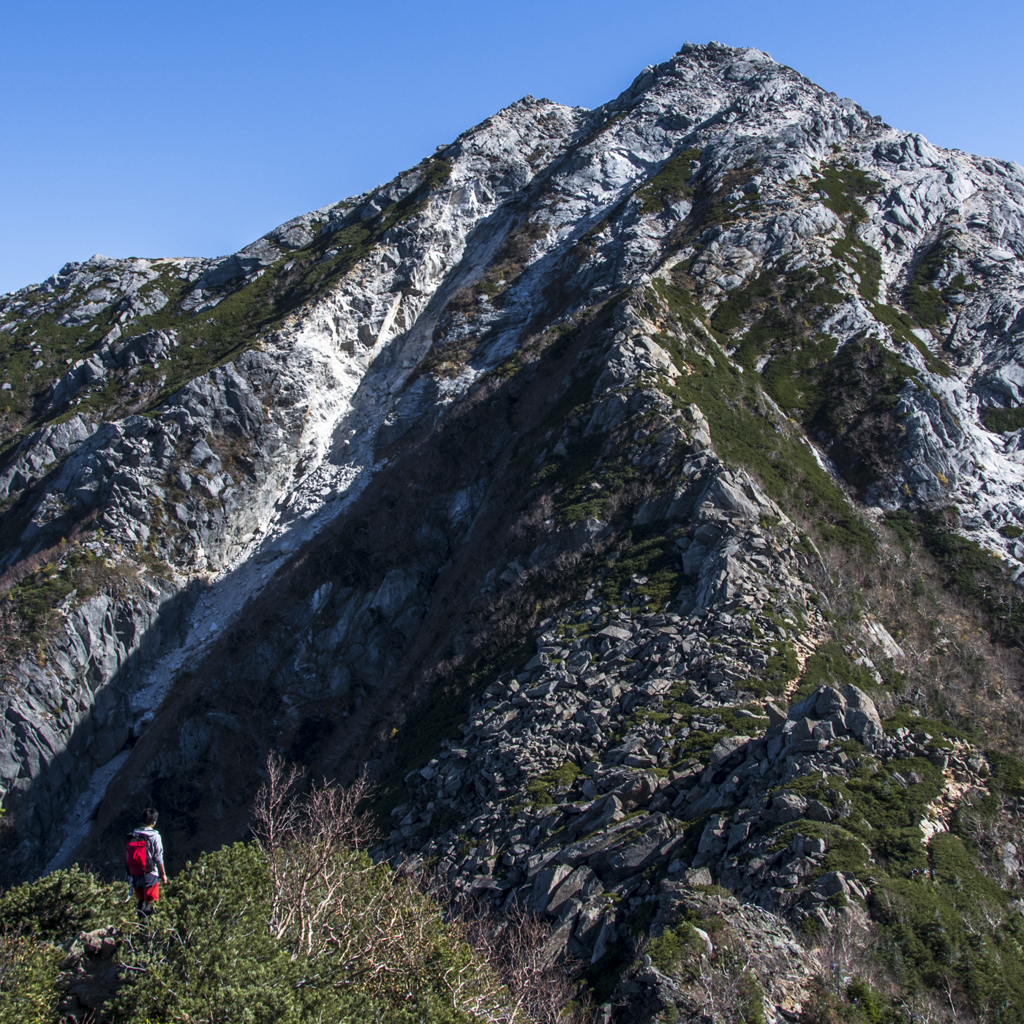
{"x":726,"y":747}
{"x":862,"y":718}
{"x":828,"y":715}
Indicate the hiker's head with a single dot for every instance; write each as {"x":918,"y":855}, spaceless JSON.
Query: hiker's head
{"x":149,"y":816}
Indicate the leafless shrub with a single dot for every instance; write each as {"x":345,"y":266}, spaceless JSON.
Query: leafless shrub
{"x":517,"y":947}
{"x":538,"y":982}
{"x":990,"y":833}
{"x":847,"y":951}
{"x":376,"y":926}
{"x":307,"y":842}
{"x":844,"y":951}
{"x":952,"y":667}
{"x":730,"y":994}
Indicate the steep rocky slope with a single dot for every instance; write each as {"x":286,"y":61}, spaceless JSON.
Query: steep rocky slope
{"x":618,"y":431}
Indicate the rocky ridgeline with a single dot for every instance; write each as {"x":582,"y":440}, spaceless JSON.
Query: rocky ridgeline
{"x":568,"y":702}
{"x":776,"y":966}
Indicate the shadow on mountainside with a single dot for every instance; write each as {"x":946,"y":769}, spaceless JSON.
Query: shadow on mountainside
{"x":27,"y":846}
{"x":325,"y":674}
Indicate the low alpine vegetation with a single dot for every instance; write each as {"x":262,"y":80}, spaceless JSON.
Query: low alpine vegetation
{"x":296,"y":925}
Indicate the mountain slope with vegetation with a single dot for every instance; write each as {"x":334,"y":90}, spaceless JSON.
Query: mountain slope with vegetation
{"x":635,"y":495}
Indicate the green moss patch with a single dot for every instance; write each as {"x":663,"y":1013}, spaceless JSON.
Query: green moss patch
{"x":860,"y":259}
{"x":844,"y":186}
{"x":829,"y":665}
{"x":744,"y":433}
{"x":1002,"y":421}
{"x":653,"y":555}
{"x":554,"y":783}
{"x":781,"y":669}
{"x":928,"y":304}
{"x":671,"y":182}
{"x":902,"y":328}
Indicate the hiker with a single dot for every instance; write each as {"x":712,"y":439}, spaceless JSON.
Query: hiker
{"x":145,"y":858}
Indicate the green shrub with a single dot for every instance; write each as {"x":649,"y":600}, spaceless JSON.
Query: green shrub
{"x":220,"y":949}
{"x":842,"y":185}
{"x":870,"y":1003}
{"x":653,"y":554}
{"x":222,"y":946}
{"x":670,"y":182}
{"x":1002,"y":421}
{"x":860,"y":259}
{"x":35,"y":598}
{"x":558,"y":779}
{"x":877,"y":814}
{"x":1007,"y":773}
{"x":751,"y":998}
{"x":926,"y":303}
{"x":902,"y":328}
{"x":780,"y":670}
{"x":744,"y":434}
{"x":862,"y":1005}
{"x":63,"y":903}
{"x":29,"y":973}
{"x":573,"y":475}
{"x":915,"y":723}
{"x":210,"y":955}
{"x":830,"y":666}
{"x":675,"y":947}
{"x":954,"y":929}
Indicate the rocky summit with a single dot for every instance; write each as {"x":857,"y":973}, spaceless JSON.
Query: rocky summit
{"x":635,"y":495}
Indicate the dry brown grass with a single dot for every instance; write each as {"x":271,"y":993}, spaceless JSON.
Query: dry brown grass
{"x":952,"y":668}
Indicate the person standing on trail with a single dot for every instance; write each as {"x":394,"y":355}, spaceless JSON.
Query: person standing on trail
{"x":145,"y":859}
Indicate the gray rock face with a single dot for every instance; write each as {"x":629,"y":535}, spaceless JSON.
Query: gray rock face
{"x":715,"y":819}
{"x":69,"y":717}
{"x":862,"y":717}
{"x":725,"y":748}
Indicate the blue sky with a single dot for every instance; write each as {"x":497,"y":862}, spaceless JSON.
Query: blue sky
{"x":138,"y":129}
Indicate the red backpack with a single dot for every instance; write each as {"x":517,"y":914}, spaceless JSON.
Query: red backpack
{"x":137,"y":855}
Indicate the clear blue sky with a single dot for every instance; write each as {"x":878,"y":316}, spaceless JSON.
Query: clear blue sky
{"x":186,"y":128}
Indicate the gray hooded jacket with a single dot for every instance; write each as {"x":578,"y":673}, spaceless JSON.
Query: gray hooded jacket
{"x":154,"y":858}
